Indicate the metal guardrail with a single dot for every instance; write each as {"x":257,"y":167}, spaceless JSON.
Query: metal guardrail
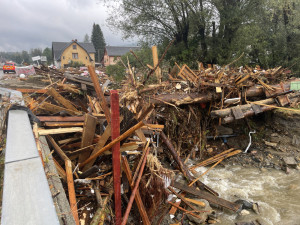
{"x":26,"y":195}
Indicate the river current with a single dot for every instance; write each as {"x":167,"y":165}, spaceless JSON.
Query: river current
{"x":277,"y":193}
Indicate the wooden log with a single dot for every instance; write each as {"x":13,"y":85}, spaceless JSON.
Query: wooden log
{"x":134,"y":190}
{"x":88,"y":134}
{"x":138,"y":198}
{"x":60,"y":99}
{"x":71,"y":190}
{"x":189,"y":98}
{"x":109,"y":146}
{"x":99,"y":93}
{"x":116,"y":155}
{"x":209,"y":197}
{"x":230,"y":119}
{"x":186,"y":173}
{"x":227,"y":112}
{"x":60,"y":130}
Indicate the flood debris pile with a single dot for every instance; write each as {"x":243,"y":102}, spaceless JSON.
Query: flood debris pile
{"x":113,"y":148}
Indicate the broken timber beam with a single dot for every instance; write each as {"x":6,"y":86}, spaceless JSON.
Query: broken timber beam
{"x":227,"y":112}
{"x":138,"y":198}
{"x":88,"y":134}
{"x":111,"y":144}
{"x":99,"y":93}
{"x":207,"y":196}
{"x":181,"y":165}
{"x":60,"y":99}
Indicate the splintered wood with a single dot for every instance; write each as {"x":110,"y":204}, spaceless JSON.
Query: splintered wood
{"x":114,"y":147}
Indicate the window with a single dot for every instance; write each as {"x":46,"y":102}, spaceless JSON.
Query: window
{"x":74,"y":46}
{"x":86,"y":57}
{"x":63,"y":57}
{"x":75,"y":55}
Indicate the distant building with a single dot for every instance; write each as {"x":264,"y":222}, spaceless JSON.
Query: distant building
{"x":65,"y":52}
{"x":112,"y":54}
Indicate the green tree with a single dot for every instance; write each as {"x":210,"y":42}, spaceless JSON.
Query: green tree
{"x":98,"y":41}
{"x":25,"y":57}
{"x":48,"y":53}
{"x":86,"y":38}
{"x":36,"y":52}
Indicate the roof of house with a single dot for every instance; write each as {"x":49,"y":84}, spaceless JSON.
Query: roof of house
{"x":119,"y":51}
{"x":59,"y":47}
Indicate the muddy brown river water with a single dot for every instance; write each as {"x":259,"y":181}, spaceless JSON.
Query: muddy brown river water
{"x":277,"y":193}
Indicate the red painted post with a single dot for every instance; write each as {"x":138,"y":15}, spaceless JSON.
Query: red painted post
{"x":116,"y":156}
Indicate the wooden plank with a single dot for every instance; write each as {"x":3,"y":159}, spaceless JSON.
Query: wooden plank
{"x":61,"y":118}
{"x":63,"y":124}
{"x":116,"y":155}
{"x":56,"y":109}
{"x":88,"y":134}
{"x":283,"y":100}
{"x":71,"y":190}
{"x":99,"y":93}
{"x":58,"y":150}
{"x":173,"y":210}
{"x":106,"y":134}
{"x":218,"y":89}
{"x":60,"y":99}
{"x":38,"y":91}
{"x":237,"y":112}
{"x":68,"y":140}
{"x":181,"y":70}
{"x":141,"y":135}
{"x":209,"y":197}
{"x":60,"y":171}
{"x":256,"y":108}
{"x":138,"y":199}
{"x":60,"y":130}
{"x":196,"y":202}
{"x":73,"y":146}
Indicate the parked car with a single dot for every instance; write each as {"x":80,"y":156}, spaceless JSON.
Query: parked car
{"x":9,"y":67}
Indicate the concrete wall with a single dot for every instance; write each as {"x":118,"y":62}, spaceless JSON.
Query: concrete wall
{"x":26,"y":195}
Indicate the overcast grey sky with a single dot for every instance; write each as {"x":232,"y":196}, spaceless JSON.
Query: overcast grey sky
{"x":27,"y":24}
